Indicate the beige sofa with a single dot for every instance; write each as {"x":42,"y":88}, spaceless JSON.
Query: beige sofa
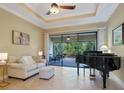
{"x":24,"y":67}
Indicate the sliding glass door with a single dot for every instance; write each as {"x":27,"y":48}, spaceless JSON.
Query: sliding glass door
{"x":64,"y":47}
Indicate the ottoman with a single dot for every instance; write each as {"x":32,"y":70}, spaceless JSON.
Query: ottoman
{"x":46,"y":72}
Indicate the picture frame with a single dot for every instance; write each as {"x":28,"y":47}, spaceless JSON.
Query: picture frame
{"x":20,"y":38}
{"x":118,"y":35}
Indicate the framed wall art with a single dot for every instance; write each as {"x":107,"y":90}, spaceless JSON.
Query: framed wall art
{"x":118,"y":35}
{"x":20,"y":38}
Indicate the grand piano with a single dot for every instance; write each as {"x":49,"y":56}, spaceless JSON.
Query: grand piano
{"x":104,"y":62}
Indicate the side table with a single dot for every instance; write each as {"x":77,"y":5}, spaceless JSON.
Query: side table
{"x":3,"y":68}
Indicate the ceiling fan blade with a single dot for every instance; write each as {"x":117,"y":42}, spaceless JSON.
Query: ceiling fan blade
{"x":48,"y":13}
{"x":67,"y":7}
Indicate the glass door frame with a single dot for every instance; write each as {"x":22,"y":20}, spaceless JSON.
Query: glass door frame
{"x":77,"y":35}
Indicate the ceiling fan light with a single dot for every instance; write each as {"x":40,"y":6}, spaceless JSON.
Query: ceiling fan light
{"x":54,"y":9}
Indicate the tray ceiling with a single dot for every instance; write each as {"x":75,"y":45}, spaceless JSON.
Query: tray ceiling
{"x":81,"y":9}
{"x":85,"y":13}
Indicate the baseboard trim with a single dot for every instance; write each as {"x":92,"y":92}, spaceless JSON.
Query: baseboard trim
{"x":117,"y":80}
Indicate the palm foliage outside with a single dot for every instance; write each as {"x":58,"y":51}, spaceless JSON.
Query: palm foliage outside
{"x":73,"y":48}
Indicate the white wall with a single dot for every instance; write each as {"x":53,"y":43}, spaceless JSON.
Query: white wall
{"x":46,"y":45}
{"x":116,"y":19}
{"x":50,"y":47}
{"x":101,"y":37}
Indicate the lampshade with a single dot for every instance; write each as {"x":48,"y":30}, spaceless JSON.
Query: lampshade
{"x":104,"y":48}
{"x":40,"y":53}
{"x":3,"y":56}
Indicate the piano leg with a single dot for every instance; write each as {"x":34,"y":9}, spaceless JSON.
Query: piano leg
{"x":108,"y":75}
{"x":92,"y":72}
{"x":104,"y":80}
{"x":84,"y":70}
{"x":78,"y":69}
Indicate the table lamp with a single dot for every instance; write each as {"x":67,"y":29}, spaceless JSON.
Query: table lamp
{"x":3,"y":57}
{"x":104,"y":48}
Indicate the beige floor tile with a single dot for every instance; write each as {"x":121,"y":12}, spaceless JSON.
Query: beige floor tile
{"x":65,"y":79}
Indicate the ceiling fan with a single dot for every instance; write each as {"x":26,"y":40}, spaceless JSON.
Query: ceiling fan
{"x":55,"y":8}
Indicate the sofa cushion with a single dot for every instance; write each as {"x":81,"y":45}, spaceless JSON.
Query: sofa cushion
{"x":13,"y":59}
{"x":26,"y":67}
{"x":30,"y":67}
{"x":37,"y":58}
{"x":40,"y":65}
{"x":27,"y":60}
{"x":16,"y":65}
{"x":44,"y":60}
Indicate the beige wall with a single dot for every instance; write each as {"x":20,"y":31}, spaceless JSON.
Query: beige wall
{"x":9,"y":22}
{"x":116,"y":19}
{"x":76,"y":29}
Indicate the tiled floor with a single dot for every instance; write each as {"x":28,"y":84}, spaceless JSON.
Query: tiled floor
{"x":65,"y":79}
